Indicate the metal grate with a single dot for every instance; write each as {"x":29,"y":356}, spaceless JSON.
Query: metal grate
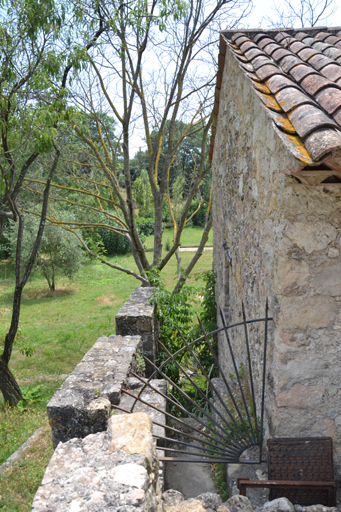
{"x":221,"y":430}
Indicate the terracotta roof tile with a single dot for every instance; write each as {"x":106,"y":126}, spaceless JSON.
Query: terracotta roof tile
{"x":301,"y":71}
{"x":278,"y":82}
{"x":280,"y":54}
{"x":264,"y":42}
{"x":247,"y":45}
{"x":333,"y":52}
{"x":321,"y":142}
{"x":300,"y":35}
{"x":259,"y":36}
{"x":260,"y":61}
{"x":297,"y":46}
{"x":282,"y":121}
{"x":280,"y":36}
{"x":261,"y":87}
{"x":290,"y":98}
{"x":337,"y":117}
{"x":252,"y":53}
{"x":312,"y":84}
{"x":307,"y":53}
{"x":329,"y":99}
{"x":332,"y":39}
{"x":271,"y":47}
{"x":297,"y":77}
{"x":289,"y":62}
{"x":267,"y":71}
{"x":308,"y":118}
{"x":322,"y":36}
{"x":319,"y":61}
{"x":253,"y":76}
{"x":332,"y":72}
{"x":269,"y":101}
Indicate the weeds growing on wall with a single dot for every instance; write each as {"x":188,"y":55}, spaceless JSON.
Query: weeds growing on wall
{"x":178,"y":313}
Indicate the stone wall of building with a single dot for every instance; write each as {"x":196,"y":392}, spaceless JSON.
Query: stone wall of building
{"x":285,"y":241}
{"x":138,"y":317}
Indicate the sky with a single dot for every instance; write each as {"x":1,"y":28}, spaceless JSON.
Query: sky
{"x":254,"y":20}
{"x":264,"y":7}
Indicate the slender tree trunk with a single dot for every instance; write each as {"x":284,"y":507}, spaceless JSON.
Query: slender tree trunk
{"x":8,"y":385}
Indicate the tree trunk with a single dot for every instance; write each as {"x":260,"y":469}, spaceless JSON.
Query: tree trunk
{"x":8,"y":385}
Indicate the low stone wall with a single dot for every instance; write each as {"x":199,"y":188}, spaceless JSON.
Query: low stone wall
{"x":112,"y":470}
{"x":83,"y":403}
{"x":138,"y":317}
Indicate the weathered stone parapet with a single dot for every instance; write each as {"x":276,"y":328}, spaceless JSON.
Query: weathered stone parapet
{"x":83,"y":403}
{"x":107,"y":471}
{"x":138,"y":317}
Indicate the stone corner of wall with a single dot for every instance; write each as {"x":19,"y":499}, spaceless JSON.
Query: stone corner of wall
{"x":104,"y":471}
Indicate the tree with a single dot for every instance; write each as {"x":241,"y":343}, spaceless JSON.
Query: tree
{"x":153,"y":66}
{"x":33,"y":105}
{"x":59,"y":252}
{"x":303,"y":12}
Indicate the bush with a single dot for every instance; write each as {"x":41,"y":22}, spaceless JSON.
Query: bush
{"x":145,"y":226}
{"x":114,"y":243}
{"x":59,"y":252}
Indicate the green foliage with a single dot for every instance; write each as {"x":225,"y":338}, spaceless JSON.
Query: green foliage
{"x":218,"y":476}
{"x":145,"y":226}
{"x":142,"y":194}
{"x":140,"y":364}
{"x":114,"y":242}
{"x":59,"y":252}
{"x":175,"y":312}
{"x":30,"y":396}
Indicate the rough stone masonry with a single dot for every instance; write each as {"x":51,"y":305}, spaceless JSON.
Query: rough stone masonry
{"x":285,"y":241}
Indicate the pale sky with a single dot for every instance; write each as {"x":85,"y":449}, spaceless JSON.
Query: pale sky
{"x":254,"y":20}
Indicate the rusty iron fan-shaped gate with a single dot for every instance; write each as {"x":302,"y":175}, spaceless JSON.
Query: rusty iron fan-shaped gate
{"x":222,"y":430}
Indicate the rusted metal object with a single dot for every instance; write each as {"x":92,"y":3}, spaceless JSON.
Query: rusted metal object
{"x":300,"y":470}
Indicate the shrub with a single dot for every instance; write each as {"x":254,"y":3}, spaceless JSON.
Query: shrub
{"x":145,"y":226}
{"x":59,"y":252}
{"x":114,"y":243}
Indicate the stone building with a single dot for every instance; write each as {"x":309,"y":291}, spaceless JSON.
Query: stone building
{"x":276,"y":155}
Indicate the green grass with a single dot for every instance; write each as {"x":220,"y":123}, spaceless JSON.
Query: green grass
{"x":60,"y":327}
{"x":191,"y":237}
{"x":19,"y":483}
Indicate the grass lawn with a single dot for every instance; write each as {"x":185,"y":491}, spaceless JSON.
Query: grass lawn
{"x":60,"y":328}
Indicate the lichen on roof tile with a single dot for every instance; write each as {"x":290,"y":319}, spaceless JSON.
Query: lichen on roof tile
{"x":269,"y":101}
{"x":295,"y":145}
{"x":290,"y":98}
{"x":278,"y":82}
{"x":282,"y":121}
{"x":307,"y":118}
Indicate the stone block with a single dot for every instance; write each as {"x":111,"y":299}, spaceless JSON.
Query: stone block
{"x":303,"y":312}
{"x":301,"y":397}
{"x":291,"y":276}
{"x":90,"y":475}
{"x":310,"y":237}
{"x":138,"y":317}
{"x":327,"y":279}
{"x":82,"y":404}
